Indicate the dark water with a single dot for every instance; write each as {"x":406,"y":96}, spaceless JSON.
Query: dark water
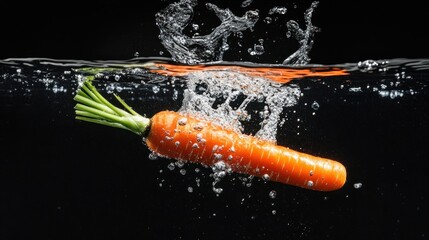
{"x":65,"y":179}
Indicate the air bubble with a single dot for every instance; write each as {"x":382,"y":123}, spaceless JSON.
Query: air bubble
{"x":217,"y":190}
{"x":153,"y":156}
{"x":272,"y":194}
{"x":315,"y":105}
{"x":171,"y":166}
{"x":219,"y":165}
{"x":182,"y":121}
{"x":180,"y":164}
{"x":199,"y":126}
{"x":217,"y":156}
{"x":268,"y":20}
{"x":155,"y":89}
{"x":266,"y":177}
{"x":278,"y":10}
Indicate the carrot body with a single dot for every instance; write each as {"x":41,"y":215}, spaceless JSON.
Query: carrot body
{"x":187,"y":138}
{"x":277,"y":74}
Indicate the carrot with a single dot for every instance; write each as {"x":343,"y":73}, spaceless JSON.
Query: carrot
{"x":279,"y":74}
{"x":185,"y":137}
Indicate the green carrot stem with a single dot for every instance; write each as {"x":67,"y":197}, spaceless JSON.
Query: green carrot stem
{"x":93,"y":107}
{"x":101,"y":122}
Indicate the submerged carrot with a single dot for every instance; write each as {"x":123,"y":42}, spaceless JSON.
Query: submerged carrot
{"x":184,"y":137}
{"x":279,"y":74}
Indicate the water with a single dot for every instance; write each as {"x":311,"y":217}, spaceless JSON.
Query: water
{"x":66,"y":179}
{"x":57,"y":170}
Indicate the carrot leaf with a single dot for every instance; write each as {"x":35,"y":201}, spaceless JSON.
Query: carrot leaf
{"x":93,"y":107}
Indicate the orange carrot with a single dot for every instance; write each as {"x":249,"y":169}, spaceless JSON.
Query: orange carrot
{"x":174,"y":135}
{"x":279,"y":74}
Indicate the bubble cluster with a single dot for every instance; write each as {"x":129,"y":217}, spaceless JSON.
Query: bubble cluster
{"x":224,"y":97}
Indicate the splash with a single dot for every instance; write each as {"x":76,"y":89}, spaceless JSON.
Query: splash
{"x":304,"y":38}
{"x":177,"y":16}
{"x":231,"y":99}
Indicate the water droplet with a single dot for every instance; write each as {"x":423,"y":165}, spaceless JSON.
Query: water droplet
{"x":182,"y":121}
{"x":272,"y":194}
{"x":278,"y":10}
{"x":180,"y":163}
{"x":315,"y":105}
{"x":199,"y":126}
{"x":258,"y":49}
{"x":153,"y":156}
{"x":268,"y":20}
{"x":171,"y":166}
{"x":155,"y":89}
{"x":220,"y":165}
{"x":357,"y":185}
{"x":190,"y":189}
{"x":217,"y":156}
{"x":369,"y":65}
{"x":217,"y":190}
{"x":310,"y":183}
{"x":175,"y":94}
{"x":266,"y":177}
{"x":220,"y":174}
{"x":183,"y":171}
{"x":246,"y":3}
{"x":355,"y":89}
{"x":215,"y":147}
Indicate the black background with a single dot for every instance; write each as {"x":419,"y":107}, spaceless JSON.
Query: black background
{"x":351,"y":31}
{"x":61,"y":179}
